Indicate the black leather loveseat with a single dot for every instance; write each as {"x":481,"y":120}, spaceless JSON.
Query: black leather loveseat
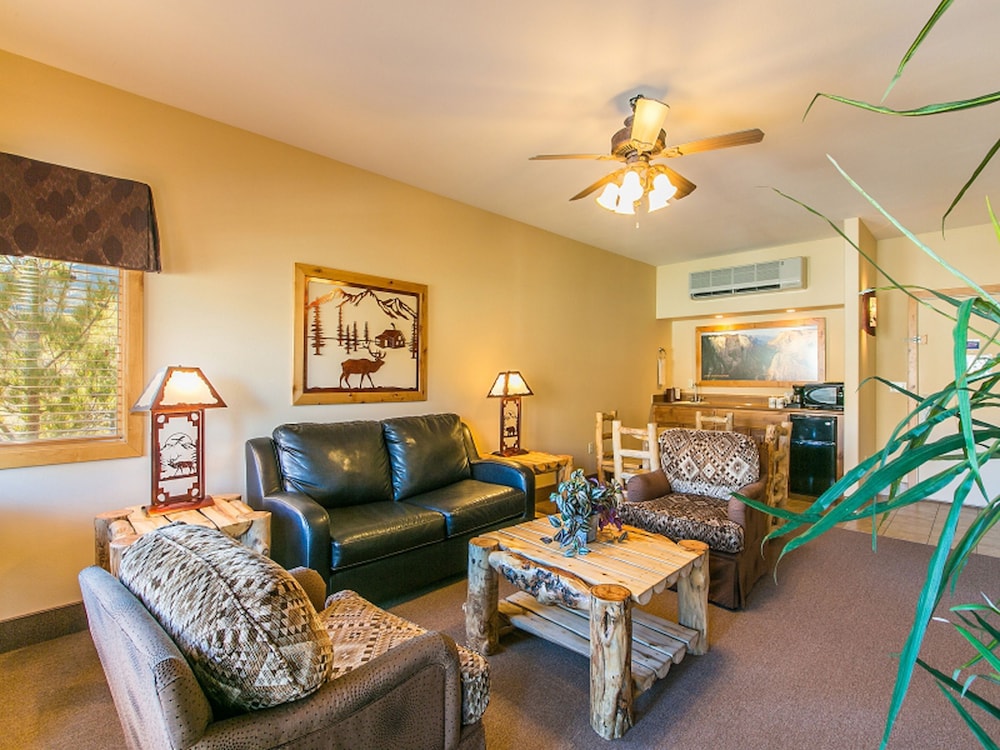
{"x":381,"y":507}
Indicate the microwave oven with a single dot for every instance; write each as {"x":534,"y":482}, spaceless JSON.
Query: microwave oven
{"x":819,"y":396}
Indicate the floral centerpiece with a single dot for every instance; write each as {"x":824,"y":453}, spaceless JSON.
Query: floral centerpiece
{"x":585,"y":507}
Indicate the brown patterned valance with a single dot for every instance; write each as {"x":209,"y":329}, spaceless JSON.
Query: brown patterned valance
{"x":66,"y":214}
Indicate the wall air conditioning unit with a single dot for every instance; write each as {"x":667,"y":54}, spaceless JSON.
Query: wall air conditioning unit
{"x":770,"y":276}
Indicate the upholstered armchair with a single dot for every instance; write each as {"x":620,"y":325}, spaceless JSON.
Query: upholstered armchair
{"x":691,"y":497}
{"x":207,"y":645}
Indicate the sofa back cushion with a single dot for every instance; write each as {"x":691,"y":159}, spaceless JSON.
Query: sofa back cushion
{"x":336,"y":464}
{"x":708,"y":462}
{"x":243,"y":623}
{"x":425,"y":452}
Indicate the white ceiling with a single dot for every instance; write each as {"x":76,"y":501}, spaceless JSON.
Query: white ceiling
{"x":453,"y":96}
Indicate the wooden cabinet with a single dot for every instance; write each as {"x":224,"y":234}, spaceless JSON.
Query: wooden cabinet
{"x":748,"y":418}
{"x":749,"y":421}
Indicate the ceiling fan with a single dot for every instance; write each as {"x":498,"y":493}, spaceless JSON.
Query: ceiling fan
{"x":639,"y":143}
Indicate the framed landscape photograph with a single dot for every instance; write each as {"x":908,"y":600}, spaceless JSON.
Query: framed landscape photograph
{"x":777,"y":353}
{"x":358,"y":338}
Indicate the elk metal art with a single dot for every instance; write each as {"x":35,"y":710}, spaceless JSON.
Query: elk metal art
{"x":362,"y":367}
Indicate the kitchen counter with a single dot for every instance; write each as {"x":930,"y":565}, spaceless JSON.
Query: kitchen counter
{"x":751,"y":416}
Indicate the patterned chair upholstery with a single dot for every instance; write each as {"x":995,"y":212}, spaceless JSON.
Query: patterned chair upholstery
{"x":691,"y":497}
{"x":206,"y":644}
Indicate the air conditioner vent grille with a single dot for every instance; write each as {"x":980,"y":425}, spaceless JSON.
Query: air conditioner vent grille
{"x":754,"y":278}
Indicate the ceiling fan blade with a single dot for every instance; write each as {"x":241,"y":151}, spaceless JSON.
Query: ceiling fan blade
{"x":684,"y":186}
{"x":741,"y":138}
{"x":599,"y":184}
{"x":548,"y":157}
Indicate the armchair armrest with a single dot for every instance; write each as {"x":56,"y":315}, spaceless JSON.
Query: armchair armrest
{"x":749,"y":518}
{"x":509,"y":475}
{"x":647,"y":486}
{"x":313,"y":584}
{"x":411,"y":695}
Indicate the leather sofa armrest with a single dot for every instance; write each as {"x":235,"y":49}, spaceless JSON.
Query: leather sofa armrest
{"x":390,"y":696}
{"x":300,"y":527}
{"x":647,"y":486}
{"x":509,"y":475}
{"x":300,"y":531}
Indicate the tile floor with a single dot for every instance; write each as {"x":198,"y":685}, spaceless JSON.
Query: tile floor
{"x":920,"y":522}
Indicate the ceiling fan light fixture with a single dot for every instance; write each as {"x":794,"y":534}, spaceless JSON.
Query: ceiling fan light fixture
{"x":632,"y":188}
{"x":647,"y":121}
{"x":609,"y":197}
{"x":663,"y":190}
{"x":625,"y":207}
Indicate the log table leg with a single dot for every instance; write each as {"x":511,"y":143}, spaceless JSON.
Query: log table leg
{"x":108,"y":526}
{"x":692,"y":596}
{"x":611,"y":660}
{"x":481,"y":618}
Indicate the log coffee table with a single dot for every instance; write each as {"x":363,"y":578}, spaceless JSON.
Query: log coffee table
{"x":584,"y":603}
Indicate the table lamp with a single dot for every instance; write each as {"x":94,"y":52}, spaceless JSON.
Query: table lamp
{"x":509,"y":387}
{"x":177,"y":398}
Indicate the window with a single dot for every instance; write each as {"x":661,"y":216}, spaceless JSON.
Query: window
{"x":70,"y":362}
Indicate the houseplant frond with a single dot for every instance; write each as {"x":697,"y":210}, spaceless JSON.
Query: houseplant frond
{"x":931,"y":23}
{"x":951,"y":427}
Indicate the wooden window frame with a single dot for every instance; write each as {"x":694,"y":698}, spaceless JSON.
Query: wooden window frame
{"x":131,"y":443}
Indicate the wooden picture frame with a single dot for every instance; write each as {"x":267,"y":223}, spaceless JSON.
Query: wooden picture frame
{"x":358,"y":338}
{"x":777,"y":353}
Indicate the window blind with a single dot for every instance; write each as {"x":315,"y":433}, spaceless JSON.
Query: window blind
{"x":61,"y":356}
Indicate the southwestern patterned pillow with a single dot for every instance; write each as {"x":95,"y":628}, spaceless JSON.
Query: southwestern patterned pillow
{"x":708,"y":462}
{"x":360,"y":632}
{"x":244,"y":624}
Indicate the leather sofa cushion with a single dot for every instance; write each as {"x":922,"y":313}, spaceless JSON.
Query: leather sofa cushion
{"x":470,"y":504}
{"x":336,"y":464}
{"x":363,"y":533}
{"x":425,"y":452}
{"x":243,"y":623}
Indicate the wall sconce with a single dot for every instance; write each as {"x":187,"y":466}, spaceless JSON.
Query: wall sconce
{"x":869,"y":311}
{"x":176,"y":398}
{"x":509,"y":387}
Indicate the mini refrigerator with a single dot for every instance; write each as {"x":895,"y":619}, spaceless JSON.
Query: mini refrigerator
{"x":813,"y":454}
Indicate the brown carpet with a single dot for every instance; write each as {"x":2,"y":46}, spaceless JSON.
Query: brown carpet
{"x":807,"y":665}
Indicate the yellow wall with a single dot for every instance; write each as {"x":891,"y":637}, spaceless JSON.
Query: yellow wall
{"x":971,"y":250}
{"x":824,"y":272}
{"x":235,"y":212}
{"x":822,"y":297}
{"x":834,"y":273}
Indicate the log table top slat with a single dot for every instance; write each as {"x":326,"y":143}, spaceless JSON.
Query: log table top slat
{"x":644,"y":564}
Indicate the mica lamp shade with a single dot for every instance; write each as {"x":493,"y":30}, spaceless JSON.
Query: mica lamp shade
{"x":509,"y":387}
{"x":176,"y":398}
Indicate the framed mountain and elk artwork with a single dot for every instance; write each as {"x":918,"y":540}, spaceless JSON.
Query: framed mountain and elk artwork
{"x":358,"y":338}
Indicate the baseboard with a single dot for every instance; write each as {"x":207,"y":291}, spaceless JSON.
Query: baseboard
{"x":28,"y":630}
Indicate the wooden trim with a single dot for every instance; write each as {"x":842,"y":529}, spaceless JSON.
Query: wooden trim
{"x":131,"y":443}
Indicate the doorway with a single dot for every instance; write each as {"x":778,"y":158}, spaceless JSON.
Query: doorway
{"x":930,"y":344}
